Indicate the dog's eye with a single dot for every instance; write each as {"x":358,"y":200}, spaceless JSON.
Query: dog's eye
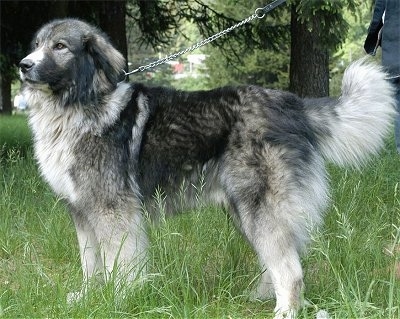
{"x":59,"y":46}
{"x":36,"y":44}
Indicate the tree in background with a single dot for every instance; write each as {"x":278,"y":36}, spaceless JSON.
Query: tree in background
{"x":353,"y":47}
{"x":317,"y":28}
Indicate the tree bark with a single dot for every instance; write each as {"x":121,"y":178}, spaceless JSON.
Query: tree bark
{"x":112,"y":21}
{"x":309,"y":62}
{"x":5,"y":95}
{"x":109,"y":16}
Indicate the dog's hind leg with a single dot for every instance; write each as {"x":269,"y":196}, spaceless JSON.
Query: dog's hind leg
{"x":276,"y":203}
{"x":265,"y":288}
{"x":276,"y":247}
{"x":278,"y":253}
{"x":275,"y":242}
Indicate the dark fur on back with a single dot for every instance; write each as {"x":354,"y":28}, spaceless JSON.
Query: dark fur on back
{"x":106,"y":147}
{"x":189,"y":129}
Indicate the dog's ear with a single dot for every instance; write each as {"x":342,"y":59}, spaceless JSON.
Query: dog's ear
{"x":108,"y":61}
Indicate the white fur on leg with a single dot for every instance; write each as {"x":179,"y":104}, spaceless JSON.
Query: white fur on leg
{"x":123,"y":247}
{"x":264,"y":289}
{"x":286,"y":274}
{"x":75,"y":296}
{"x":114,"y":245}
{"x":89,"y":249}
{"x":285,"y":314}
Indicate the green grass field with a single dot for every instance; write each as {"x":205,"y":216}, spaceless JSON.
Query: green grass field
{"x":200,"y":266}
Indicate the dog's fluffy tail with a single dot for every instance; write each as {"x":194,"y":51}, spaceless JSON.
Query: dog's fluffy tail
{"x":353,"y":127}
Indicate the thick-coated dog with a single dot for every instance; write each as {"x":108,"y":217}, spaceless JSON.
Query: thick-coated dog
{"x":106,"y":146}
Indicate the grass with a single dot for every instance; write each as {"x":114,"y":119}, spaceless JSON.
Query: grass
{"x":200,"y":266}
{"x":14,"y":134}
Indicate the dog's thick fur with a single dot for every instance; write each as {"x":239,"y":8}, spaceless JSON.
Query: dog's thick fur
{"x":106,"y":146}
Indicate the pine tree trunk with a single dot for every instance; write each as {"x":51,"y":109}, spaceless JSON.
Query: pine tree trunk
{"x":309,"y":62}
{"x":112,"y":20}
{"x":5,"y":95}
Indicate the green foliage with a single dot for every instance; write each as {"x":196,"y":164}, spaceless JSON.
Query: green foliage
{"x":200,"y":19}
{"x":264,"y":63}
{"x":156,"y":20}
{"x":7,"y":68}
{"x":186,"y":34}
{"x":353,"y":47}
{"x":260,"y":67}
{"x":332,"y":27}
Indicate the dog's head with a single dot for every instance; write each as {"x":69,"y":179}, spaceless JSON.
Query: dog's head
{"x":74,"y":60}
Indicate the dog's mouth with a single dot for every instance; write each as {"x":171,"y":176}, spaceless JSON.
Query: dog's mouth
{"x":33,"y":82}
{"x":36,"y":84}
{"x":29,"y":80}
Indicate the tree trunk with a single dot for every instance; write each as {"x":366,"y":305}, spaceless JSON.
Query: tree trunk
{"x":5,"y":95}
{"x":112,"y":21}
{"x":109,"y":16}
{"x":309,"y":62}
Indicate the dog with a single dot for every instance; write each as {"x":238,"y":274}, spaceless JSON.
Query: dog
{"x":106,"y":145}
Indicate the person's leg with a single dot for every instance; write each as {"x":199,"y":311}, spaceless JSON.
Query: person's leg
{"x":397,"y":122}
{"x":396,"y":83}
{"x":397,"y":132}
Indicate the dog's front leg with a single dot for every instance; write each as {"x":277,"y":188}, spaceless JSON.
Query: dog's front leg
{"x":123,"y":246}
{"x":89,"y":250}
{"x":112,"y":243}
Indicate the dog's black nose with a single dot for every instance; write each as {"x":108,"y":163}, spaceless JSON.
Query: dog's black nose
{"x":25,"y":65}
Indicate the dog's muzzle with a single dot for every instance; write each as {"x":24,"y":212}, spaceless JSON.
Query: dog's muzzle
{"x":25,"y":65}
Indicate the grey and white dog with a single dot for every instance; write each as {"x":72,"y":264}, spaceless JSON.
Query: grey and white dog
{"x":105,"y":146}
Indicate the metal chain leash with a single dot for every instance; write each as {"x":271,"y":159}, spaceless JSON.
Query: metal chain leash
{"x":393,"y":77}
{"x":259,"y":13}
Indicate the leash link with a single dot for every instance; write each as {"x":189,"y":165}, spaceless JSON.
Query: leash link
{"x":259,"y":13}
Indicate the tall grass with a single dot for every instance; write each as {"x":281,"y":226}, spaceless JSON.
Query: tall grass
{"x":200,"y":267}
{"x":14,"y":133}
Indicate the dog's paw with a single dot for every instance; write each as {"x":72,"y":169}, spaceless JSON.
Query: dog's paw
{"x":262,"y":292}
{"x":322,"y":314}
{"x":75,"y":296}
{"x":285,"y":314}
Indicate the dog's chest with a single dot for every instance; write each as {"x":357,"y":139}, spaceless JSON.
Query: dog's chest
{"x":54,"y":142}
